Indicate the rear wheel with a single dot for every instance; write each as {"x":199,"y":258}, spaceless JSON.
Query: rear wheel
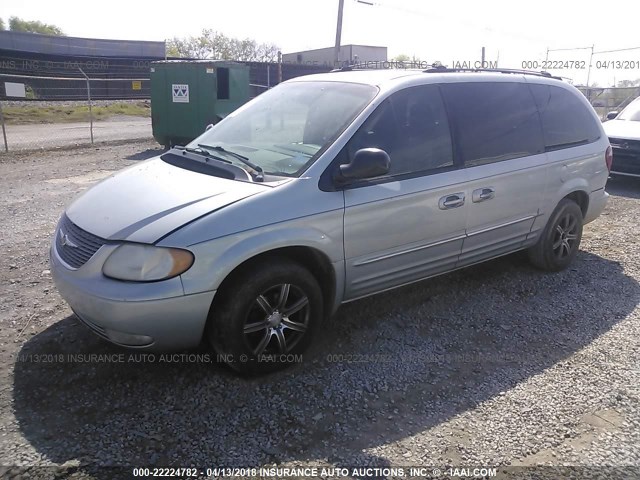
{"x":265,"y":317}
{"x":560,"y":240}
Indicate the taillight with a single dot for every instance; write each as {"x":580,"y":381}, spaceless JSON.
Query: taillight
{"x":608,"y":157}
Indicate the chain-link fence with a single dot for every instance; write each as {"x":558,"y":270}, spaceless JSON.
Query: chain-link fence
{"x":38,"y":112}
{"x":605,"y":100}
{"x":50,"y":111}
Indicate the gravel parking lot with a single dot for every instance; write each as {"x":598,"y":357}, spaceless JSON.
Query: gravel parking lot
{"x":498,"y":364}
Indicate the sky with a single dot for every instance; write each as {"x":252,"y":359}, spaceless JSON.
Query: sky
{"x":449,"y":31}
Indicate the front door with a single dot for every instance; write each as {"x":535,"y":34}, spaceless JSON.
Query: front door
{"x":409,"y":224}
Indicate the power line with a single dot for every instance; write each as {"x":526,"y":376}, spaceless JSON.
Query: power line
{"x":567,"y":49}
{"x":618,"y":50}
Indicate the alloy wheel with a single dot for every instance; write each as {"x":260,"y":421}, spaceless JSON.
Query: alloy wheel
{"x":565,"y":236}
{"x":277,"y":320}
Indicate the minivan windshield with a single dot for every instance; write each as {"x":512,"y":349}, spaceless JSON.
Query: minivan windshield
{"x":631,"y":112}
{"x":284,"y":129}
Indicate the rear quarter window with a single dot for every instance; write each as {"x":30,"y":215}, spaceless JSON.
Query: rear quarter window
{"x":566,"y":120}
{"x":493,"y":121}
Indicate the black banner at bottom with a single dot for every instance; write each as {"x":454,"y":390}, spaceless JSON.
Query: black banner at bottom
{"x":88,"y":472}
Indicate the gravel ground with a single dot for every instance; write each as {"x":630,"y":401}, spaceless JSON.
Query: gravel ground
{"x":498,"y":364}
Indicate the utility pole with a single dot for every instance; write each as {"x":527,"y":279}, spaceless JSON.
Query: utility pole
{"x":483,"y":64}
{"x":336,"y":52}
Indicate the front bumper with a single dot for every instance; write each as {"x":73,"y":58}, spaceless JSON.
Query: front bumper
{"x":626,"y":157}
{"x":154,"y":316}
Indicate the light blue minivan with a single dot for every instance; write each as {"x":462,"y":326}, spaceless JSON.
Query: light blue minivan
{"x":326,"y":189}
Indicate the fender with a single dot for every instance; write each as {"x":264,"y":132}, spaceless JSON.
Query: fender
{"x":560,"y":190}
{"x":221,"y":256}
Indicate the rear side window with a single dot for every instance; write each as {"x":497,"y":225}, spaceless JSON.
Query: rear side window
{"x":413,"y":128}
{"x":566,"y":121}
{"x":493,"y":121}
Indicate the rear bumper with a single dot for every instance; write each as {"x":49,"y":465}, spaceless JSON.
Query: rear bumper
{"x":597,"y":202}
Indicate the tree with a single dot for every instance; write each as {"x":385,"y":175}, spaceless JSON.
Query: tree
{"x":401,"y":58}
{"x":629,"y":83}
{"x":2,"y":28}
{"x":34,"y":26}
{"x":216,"y":45}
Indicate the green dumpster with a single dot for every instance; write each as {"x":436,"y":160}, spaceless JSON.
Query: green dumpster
{"x":188,"y":95}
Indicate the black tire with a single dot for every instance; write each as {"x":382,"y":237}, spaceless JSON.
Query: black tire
{"x":560,"y":240}
{"x":251,"y":327}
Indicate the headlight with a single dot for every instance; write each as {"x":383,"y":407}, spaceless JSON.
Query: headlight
{"x":146,"y":263}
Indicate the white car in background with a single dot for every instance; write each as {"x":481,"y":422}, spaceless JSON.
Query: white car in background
{"x":623,"y":130}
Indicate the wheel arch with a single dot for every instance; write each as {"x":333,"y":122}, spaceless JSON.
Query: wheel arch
{"x":314,"y":260}
{"x":581,"y":197}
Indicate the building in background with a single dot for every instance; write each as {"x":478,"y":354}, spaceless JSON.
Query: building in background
{"x":50,"y":67}
{"x":349,"y":55}
{"x":35,"y":54}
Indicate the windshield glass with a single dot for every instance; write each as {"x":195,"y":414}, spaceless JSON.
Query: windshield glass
{"x":282,"y":130}
{"x":632,"y":112}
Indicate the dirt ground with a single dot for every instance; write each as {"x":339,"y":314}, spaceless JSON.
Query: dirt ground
{"x":498,"y":364}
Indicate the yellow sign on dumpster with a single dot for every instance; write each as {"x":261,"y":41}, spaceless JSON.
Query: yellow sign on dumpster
{"x":136,"y":85}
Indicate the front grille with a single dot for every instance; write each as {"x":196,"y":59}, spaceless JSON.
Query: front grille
{"x":633,"y":146}
{"x":626,"y":156}
{"x":74,"y":245}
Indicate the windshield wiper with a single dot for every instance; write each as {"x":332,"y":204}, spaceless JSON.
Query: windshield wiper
{"x":259,"y":173}
{"x":202,"y":151}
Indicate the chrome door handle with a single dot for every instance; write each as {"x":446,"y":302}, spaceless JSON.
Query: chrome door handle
{"x":482,"y":194}
{"x":453,"y":200}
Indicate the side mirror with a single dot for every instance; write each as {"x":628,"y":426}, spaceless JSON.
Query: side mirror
{"x":208,"y":127}
{"x":612,"y":115}
{"x":366,"y":163}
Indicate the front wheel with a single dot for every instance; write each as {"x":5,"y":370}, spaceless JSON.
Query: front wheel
{"x":558,"y":245}
{"x":264,"y":318}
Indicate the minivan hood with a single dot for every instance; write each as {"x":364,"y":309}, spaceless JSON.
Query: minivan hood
{"x":145,"y":202}
{"x":622,"y":129}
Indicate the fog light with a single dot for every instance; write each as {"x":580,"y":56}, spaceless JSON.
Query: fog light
{"x":128,"y":339}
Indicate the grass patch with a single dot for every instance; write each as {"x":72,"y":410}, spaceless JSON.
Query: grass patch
{"x":26,"y":115}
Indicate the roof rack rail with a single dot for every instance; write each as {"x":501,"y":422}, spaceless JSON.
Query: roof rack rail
{"x":346,"y":68}
{"x":443,"y":69}
{"x":355,"y":66}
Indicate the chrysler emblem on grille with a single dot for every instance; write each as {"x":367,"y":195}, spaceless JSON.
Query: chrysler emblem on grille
{"x":66,"y":241}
